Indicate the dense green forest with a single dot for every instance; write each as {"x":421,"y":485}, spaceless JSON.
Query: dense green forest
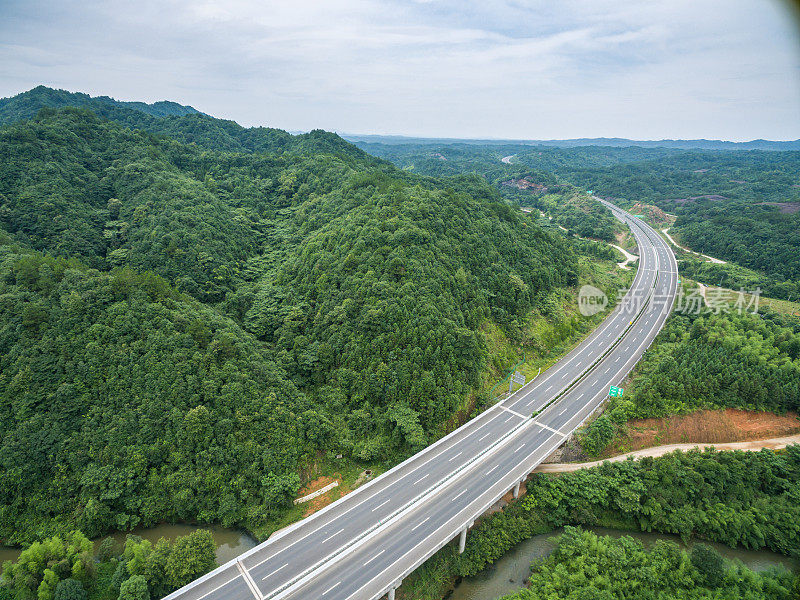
{"x":569,"y":206}
{"x":737,"y":206}
{"x":736,"y":498}
{"x":661,"y":176}
{"x":27,"y":104}
{"x":757,"y":237}
{"x":249,"y":314}
{"x":734,"y":205}
{"x":69,"y":568}
{"x":735,"y":277}
{"x":126,"y":403}
{"x":708,"y":361}
{"x":585,"y":566}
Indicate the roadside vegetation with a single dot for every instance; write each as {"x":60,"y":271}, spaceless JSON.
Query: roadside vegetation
{"x":707,"y":361}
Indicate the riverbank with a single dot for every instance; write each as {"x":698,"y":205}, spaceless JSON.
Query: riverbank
{"x":229,"y":543}
{"x":509,"y":574}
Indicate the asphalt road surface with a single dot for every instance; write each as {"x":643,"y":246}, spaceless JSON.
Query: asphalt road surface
{"x":364,"y":544}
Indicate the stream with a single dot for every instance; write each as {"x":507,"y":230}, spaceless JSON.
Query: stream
{"x":510,"y":572}
{"x":505,"y":576}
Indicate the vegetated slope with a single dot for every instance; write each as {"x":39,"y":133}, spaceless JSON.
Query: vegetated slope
{"x":367,"y":285}
{"x":124,"y":403}
{"x":570,"y":207}
{"x":756,"y":237}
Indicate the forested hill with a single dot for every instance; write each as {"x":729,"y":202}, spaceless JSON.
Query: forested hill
{"x":183,"y":330}
{"x":27,"y":104}
{"x":181,"y":123}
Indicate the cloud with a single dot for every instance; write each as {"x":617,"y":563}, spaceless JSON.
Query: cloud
{"x":516,"y":69}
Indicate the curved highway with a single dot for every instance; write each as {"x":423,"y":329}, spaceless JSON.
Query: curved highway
{"x":360,"y":547}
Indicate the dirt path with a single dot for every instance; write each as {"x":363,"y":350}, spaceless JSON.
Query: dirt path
{"x":772,"y":444}
{"x":676,"y":244}
{"x":628,"y":257}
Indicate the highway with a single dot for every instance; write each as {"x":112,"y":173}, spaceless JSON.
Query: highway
{"x":360,"y":547}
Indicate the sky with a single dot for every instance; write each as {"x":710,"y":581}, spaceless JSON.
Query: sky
{"x":509,"y":69}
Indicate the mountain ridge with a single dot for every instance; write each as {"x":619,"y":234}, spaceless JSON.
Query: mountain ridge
{"x":695,"y":144}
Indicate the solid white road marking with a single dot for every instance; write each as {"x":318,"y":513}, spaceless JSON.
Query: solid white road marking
{"x":219,"y":587}
{"x":550,"y":429}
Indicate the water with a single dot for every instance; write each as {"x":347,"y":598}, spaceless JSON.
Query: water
{"x":230,"y":542}
{"x":510,"y":572}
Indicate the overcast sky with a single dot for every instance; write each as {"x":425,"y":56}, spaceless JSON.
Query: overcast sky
{"x":529,"y":69}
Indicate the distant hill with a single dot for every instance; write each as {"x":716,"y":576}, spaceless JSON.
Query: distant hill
{"x":576,"y":142}
{"x":182,"y":123}
{"x":27,"y":104}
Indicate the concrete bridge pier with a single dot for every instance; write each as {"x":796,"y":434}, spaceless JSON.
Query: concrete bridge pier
{"x":516,"y":489}
{"x":462,"y":540}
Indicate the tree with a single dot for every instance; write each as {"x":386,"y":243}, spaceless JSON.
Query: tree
{"x":709,"y":564}
{"x":69,"y":589}
{"x":134,"y":588}
{"x":192,"y":555}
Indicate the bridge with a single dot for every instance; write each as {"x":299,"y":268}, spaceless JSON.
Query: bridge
{"x":363,"y":545}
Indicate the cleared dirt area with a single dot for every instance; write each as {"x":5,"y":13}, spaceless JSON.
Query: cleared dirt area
{"x":754,"y":446}
{"x":318,"y":483}
{"x":706,"y":426}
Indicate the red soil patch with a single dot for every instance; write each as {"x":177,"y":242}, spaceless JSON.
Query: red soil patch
{"x":654,"y":213}
{"x":705,"y":426}
{"x":322,"y":500}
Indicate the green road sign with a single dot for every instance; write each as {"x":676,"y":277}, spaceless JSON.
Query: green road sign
{"x":615,"y":391}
